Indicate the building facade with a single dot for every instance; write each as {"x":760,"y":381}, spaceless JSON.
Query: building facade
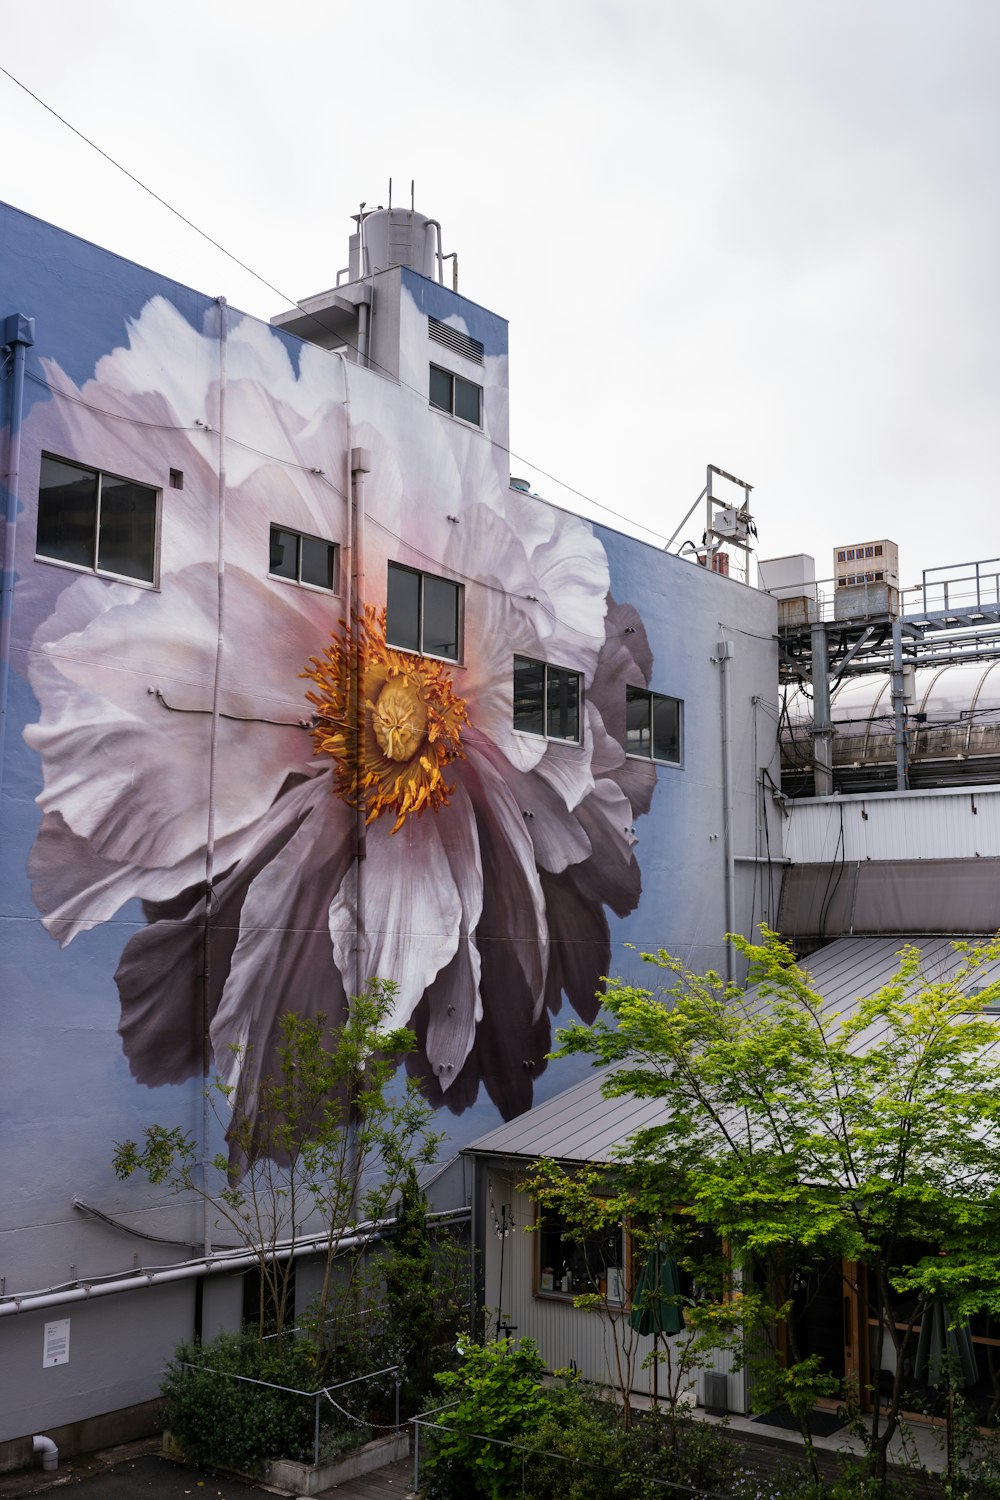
{"x":298,"y":689}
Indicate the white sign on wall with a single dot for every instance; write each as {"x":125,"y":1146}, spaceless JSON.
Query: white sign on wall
{"x":55,"y":1349}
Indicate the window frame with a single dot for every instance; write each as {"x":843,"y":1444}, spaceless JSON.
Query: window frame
{"x":543,"y":734}
{"x":298,"y":581}
{"x":93,"y":567}
{"x":567,"y":1296}
{"x":421,"y":574}
{"x":449,"y":411}
{"x":652,"y":699}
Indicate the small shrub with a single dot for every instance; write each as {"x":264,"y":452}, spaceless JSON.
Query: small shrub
{"x":499,"y":1396}
{"x":215,"y":1418}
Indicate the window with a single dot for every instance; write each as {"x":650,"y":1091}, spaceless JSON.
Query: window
{"x":841,"y":556}
{"x":652,"y":726}
{"x":458,"y":397}
{"x":423,"y":613}
{"x":546,"y":700}
{"x":87,"y":519}
{"x":570,"y":1266}
{"x":302,"y":559}
{"x":878,"y":551}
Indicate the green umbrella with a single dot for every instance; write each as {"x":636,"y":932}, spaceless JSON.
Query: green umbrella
{"x":656,"y":1307}
{"x":945,"y":1351}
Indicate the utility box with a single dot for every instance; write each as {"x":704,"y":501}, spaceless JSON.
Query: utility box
{"x":854,"y":601}
{"x":866,"y":579}
{"x":792,"y":581}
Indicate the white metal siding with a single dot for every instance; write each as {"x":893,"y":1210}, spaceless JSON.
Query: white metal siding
{"x":945,"y":824}
{"x":565,"y":1335}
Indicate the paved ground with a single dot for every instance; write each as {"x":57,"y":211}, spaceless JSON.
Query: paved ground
{"x":391,"y":1483}
{"x":139,"y":1471}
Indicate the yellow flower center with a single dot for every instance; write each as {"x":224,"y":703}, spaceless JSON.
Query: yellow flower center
{"x":390,"y":721}
{"x":399,"y":719}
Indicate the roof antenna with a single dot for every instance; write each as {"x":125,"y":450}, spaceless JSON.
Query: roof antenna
{"x":412,"y":200}
{"x":390,"y":195}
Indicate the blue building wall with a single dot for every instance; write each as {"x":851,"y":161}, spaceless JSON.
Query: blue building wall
{"x":159,"y":744}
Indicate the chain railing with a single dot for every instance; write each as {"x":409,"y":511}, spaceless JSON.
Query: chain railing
{"x":325,"y":1393}
{"x":531,"y":1455}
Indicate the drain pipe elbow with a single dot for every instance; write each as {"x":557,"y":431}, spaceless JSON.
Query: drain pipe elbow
{"x":47,"y":1448}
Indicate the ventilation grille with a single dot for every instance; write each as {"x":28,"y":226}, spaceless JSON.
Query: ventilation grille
{"x":460,"y":343}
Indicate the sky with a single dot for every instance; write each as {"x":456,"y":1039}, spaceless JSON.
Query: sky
{"x":756,"y":233}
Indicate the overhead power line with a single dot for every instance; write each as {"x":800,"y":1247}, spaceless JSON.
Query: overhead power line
{"x":278,"y":292}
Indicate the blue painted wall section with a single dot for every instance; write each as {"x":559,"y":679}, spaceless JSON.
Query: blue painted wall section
{"x":170,"y":788}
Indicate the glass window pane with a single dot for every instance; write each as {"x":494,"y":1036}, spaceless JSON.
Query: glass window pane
{"x":563,"y":704}
{"x":440,"y":634}
{"x":127,"y":543}
{"x":317,"y":562}
{"x":529,"y":695}
{"x":402,"y":608}
{"x":67,"y":513}
{"x":468,"y":401}
{"x":637,"y":735}
{"x":440,"y":388}
{"x":666,"y":730}
{"x":284,"y":560}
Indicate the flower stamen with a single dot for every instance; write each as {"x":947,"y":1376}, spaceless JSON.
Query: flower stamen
{"x":392,"y":741}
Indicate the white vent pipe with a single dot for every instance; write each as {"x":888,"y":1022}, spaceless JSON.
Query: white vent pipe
{"x":47,"y":1448}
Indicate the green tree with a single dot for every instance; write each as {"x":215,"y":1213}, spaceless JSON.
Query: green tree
{"x":498,"y":1404}
{"x":319,"y":1153}
{"x":423,"y":1295}
{"x":594,"y":1206}
{"x":803,"y":1136}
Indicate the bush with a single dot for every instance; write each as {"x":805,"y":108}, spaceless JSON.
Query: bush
{"x":216,"y":1418}
{"x":498,"y":1393}
{"x":565,"y":1443}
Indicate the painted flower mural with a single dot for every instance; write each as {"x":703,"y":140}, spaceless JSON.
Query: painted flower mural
{"x":221,"y":749}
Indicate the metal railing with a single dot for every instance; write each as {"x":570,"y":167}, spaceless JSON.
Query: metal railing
{"x":317,"y":1397}
{"x":959,"y":588}
{"x":528,"y":1454}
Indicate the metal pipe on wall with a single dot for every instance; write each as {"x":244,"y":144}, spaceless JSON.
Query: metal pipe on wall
{"x":18,"y":336}
{"x":899,"y":704}
{"x":725,"y":651}
{"x":822,"y":730}
{"x":213,"y":743}
{"x":361,"y":462}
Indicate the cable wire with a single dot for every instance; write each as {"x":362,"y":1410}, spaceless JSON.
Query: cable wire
{"x":370,"y":363}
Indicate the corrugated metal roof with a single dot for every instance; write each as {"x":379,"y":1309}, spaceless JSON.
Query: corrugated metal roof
{"x":579,"y":1125}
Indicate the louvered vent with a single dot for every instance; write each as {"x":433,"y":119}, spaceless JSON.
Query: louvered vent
{"x":460,"y":343}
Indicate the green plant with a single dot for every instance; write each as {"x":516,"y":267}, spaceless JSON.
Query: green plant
{"x":499,"y":1402}
{"x":215,"y":1417}
{"x":320,"y":1151}
{"x":420,"y":1286}
{"x":800,"y":1142}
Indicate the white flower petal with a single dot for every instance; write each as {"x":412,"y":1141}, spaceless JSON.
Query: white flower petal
{"x":412,"y":912}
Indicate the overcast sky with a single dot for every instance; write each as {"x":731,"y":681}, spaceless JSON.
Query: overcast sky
{"x":758,"y":233}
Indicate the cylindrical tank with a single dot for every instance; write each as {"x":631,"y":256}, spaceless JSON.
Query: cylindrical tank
{"x":394,"y":237}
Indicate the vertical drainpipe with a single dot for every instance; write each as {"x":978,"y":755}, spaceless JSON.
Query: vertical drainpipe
{"x":18,"y":335}
{"x":822,"y":730}
{"x":724,"y":655}
{"x":899,"y":704}
{"x":361,"y":463}
{"x":220,"y":574}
